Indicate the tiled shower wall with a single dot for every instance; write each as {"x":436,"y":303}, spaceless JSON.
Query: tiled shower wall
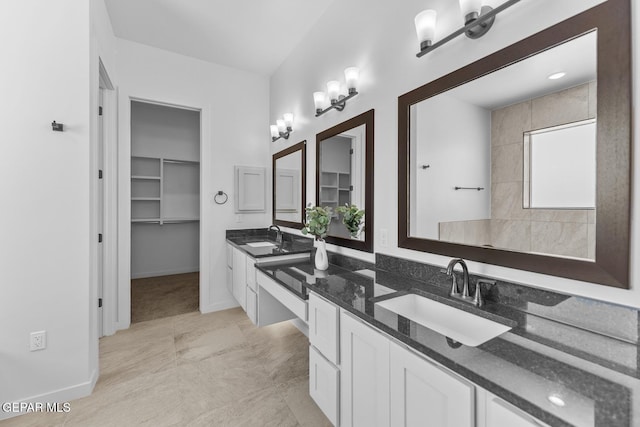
{"x":566,"y":232}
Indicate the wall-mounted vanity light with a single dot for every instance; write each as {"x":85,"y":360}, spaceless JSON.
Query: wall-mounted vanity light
{"x":282,"y":128}
{"x":478,"y":19}
{"x":337,"y":101}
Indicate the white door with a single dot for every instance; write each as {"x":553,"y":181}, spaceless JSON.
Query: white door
{"x":364,"y":382}
{"x":424,"y":395}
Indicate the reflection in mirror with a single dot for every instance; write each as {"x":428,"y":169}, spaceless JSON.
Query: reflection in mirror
{"x":344,"y":167}
{"x":289,"y":182}
{"x":469,"y":182}
{"x":342,"y":176}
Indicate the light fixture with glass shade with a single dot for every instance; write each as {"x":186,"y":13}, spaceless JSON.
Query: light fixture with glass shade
{"x":477,"y":18}
{"x":337,"y":101}
{"x":282,"y":128}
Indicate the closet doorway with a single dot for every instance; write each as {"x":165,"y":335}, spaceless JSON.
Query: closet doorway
{"x":165,"y":210}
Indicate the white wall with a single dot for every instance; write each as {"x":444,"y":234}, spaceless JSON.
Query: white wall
{"x":384,"y":47}
{"x":235,"y":131}
{"x":47,"y":262}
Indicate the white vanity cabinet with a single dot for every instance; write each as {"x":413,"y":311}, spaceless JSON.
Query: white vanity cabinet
{"x":230,"y":268}
{"x":425,"y":394}
{"x":252,"y":291}
{"x":364,"y":375}
{"x":324,"y":338}
{"x":240,"y":278}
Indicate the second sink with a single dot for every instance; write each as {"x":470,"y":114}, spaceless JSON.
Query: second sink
{"x":260,"y":244}
{"x":464,"y":327}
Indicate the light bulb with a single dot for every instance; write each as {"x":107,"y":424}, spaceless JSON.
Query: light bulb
{"x":426,"y":27}
{"x":351,"y":75}
{"x":282,"y":128}
{"x":470,"y":9}
{"x":288,"y":120}
{"x":318,"y":100}
{"x":333,"y":87}
{"x":274,"y":131}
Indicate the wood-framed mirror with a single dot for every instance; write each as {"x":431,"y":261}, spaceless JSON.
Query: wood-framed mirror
{"x":289,"y":185}
{"x":466,"y":178}
{"x":344,"y":176}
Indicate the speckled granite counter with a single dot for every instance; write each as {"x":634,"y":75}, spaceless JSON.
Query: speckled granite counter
{"x":546,"y":353}
{"x":290,"y":245}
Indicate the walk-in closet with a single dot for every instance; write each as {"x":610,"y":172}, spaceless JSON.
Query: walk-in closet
{"x":165,"y":209}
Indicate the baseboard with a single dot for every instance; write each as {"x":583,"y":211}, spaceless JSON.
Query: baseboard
{"x":222,"y":305}
{"x":62,"y":395}
{"x":164,"y":272}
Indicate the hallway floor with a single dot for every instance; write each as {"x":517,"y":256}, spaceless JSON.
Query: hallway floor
{"x":215,"y":369}
{"x":164,"y":296}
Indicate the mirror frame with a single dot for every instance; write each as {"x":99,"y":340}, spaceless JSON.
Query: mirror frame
{"x":300,"y":146}
{"x":613,"y":176}
{"x":366,"y":119}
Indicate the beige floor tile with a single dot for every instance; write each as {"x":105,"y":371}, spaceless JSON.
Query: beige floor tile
{"x":285,"y":358}
{"x":263,"y":408}
{"x":36,"y":419}
{"x":197,"y":321}
{"x":143,"y":332}
{"x":220,"y":380}
{"x":146,"y":400}
{"x":201,"y":344}
{"x":296,"y":394}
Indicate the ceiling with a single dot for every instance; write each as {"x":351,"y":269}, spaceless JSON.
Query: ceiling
{"x":252,"y":35}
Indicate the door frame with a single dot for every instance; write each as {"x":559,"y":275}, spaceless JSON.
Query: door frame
{"x":124,"y":202}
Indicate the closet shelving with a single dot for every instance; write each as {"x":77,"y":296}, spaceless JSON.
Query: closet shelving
{"x":335,"y":189}
{"x":164,"y":191}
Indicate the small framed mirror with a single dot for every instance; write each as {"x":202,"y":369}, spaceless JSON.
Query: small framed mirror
{"x":289,"y":186}
{"x":344,"y":179}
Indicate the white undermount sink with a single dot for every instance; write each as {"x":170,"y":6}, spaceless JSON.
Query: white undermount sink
{"x":451,"y":322}
{"x":260,"y":244}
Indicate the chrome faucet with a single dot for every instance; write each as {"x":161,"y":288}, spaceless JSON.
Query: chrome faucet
{"x":278,"y":233}
{"x":477,"y":299}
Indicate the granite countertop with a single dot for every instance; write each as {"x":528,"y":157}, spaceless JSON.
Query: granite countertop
{"x":596,"y":375}
{"x":290,"y":245}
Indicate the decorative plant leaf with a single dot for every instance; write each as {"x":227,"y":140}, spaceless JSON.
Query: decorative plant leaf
{"x":318,"y":220}
{"x":352,"y":218}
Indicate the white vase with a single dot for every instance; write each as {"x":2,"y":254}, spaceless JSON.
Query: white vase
{"x":322,"y":261}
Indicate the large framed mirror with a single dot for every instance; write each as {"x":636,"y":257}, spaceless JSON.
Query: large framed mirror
{"x":289,"y":186}
{"x":522,"y":158}
{"x":344,"y":177}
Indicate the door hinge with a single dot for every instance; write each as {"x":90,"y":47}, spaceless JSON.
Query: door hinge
{"x":351,"y":187}
{"x":99,"y":302}
{"x":100,"y":174}
{"x":351,"y":151}
{"x":99,"y":111}
{"x":100,"y":238}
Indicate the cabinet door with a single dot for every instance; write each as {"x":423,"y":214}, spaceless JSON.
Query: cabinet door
{"x":323,"y":327}
{"x":239,"y":278}
{"x":422,"y":394}
{"x":323,"y":384}
{"x":251,"y":273}
{"x":229,"y":255}
{"x":364,"y":382}
{"x":500,"y":413}
{"x":252,"y":305}
{"x":230,"y":280}
{"x":250,"y":189}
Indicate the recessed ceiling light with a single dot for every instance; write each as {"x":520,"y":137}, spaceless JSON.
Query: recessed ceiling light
{"x":556,"y":400}
{"x":556,"y":76}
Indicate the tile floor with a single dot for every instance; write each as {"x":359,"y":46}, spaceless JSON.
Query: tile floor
{"x":164,"y":296}
{"x":216,"y":369}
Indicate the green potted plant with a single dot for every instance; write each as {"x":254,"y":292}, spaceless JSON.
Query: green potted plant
{"x":317,"y":224}
{"x":352,"y":218}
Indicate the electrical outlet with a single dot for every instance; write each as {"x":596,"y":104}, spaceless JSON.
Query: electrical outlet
{"x":38,"y":340}
{"x":384,"y":237}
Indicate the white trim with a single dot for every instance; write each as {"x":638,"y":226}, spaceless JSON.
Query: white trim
{"x":124,"y":199}
{"x":185,"y":270}
{"x":222,"y":305}
{"x":65,"y":394}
